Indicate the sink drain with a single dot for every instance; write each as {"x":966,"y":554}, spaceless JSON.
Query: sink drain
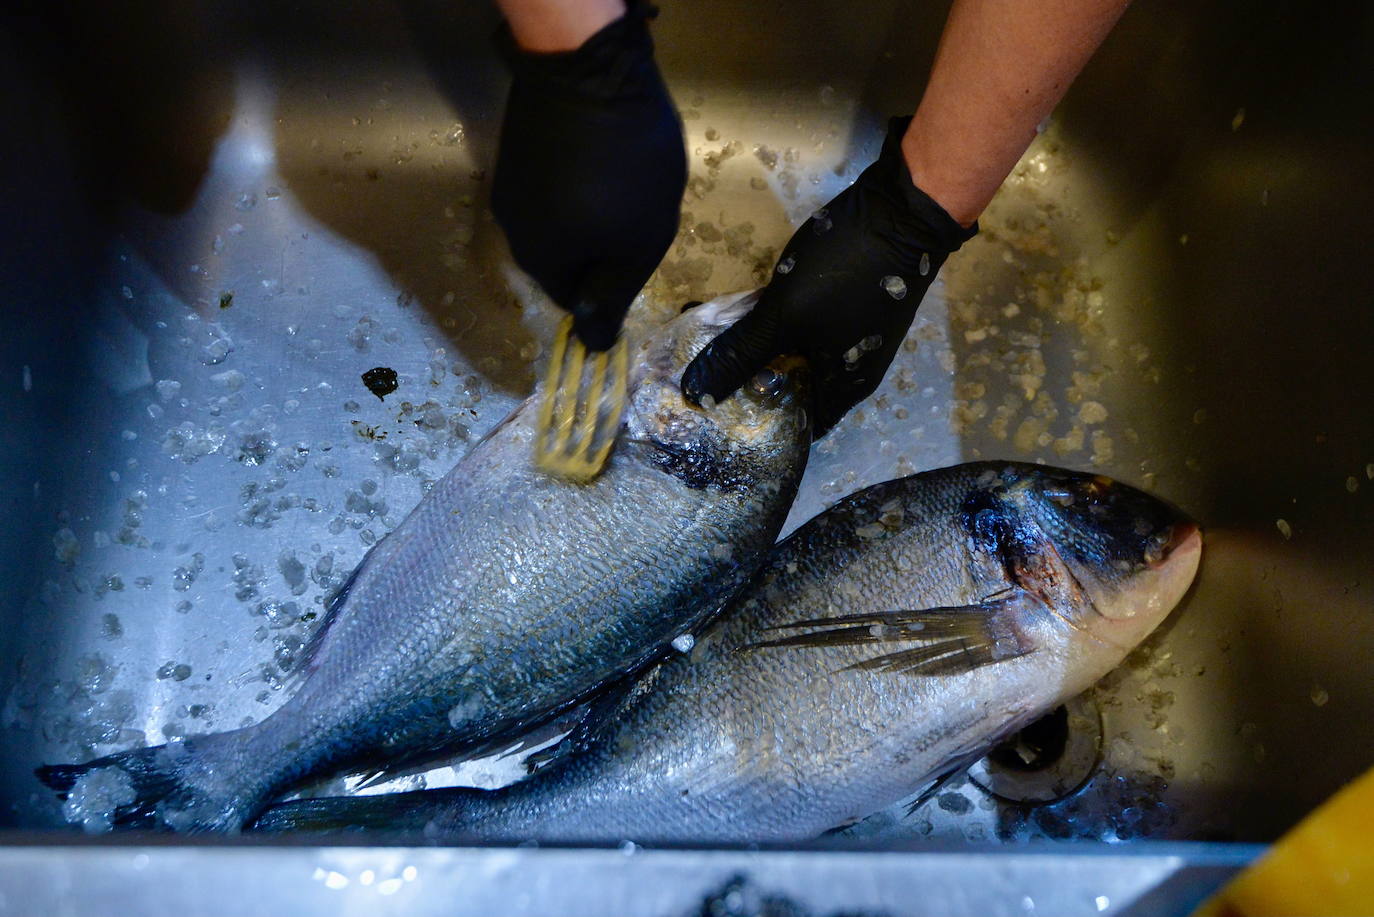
{"x":1047,"y":761}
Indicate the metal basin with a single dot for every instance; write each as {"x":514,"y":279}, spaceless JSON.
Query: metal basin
{"x":221,"y":215}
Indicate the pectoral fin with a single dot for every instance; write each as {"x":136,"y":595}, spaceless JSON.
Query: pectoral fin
{"x":932,"y":641}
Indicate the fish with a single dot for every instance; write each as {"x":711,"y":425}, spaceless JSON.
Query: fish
{"x":896,"y":636}
{"x":507,"y":595}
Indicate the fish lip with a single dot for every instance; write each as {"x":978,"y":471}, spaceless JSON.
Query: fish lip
{"x":1181,"y":536}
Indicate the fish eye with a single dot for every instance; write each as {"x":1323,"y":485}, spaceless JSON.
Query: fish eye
{"x":767,"y":382}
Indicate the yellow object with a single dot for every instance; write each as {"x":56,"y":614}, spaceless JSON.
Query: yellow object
{"x":580,"y":416}
{"x":1324,"y":866}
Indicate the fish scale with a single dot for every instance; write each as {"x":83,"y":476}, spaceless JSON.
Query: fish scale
{"x":740,"y":741}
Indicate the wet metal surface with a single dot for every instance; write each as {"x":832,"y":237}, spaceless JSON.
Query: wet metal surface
{"x":1163,"y":879}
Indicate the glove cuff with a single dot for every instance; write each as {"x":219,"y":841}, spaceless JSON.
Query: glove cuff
{"x":943,"y":231}
{"x":616,"y":62}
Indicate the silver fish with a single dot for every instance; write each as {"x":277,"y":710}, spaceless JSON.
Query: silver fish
{"x":899,"y":634}
{"x":507,"y":595}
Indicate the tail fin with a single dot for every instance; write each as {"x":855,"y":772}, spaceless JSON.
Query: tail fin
{"x":399,"y":812}
{"x":166,"y":786}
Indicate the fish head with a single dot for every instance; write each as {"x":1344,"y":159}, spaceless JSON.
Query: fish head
{"x":1130,"y":555}
{"x":761,"y":430}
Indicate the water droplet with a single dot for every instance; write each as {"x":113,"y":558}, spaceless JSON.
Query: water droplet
{"x":786,"y":264}
{"x":1102,"y":902}
{"x":1284,"y":528}
{"x":925,"y":264}
{"x":1319,"y":696}
{"x":894,"y":285}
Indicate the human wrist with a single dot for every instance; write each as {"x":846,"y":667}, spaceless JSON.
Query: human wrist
{"x":550,"y":26}
{"x":932,"y":173}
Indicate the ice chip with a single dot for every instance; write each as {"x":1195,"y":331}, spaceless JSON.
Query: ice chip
{"x":230,"y":381}
{"x":895,"y":286}
{"x":1092,"y":412}
{"x":218,"y":348}
{"x":94,"y":798}
{"x":65,"y":546}
{"x":292,"y":571}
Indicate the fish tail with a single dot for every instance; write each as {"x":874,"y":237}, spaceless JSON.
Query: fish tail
{"x":396,"y":812}
{"x":185,"y":786}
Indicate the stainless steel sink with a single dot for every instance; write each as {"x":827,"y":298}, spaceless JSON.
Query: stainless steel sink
{"x":218,"y":216}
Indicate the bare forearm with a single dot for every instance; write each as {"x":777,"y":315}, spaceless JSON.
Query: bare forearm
{"x":1002,"y":67}
{"x":558,"y":25}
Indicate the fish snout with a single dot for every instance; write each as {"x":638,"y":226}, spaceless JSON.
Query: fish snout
{"x":1183,"y":540}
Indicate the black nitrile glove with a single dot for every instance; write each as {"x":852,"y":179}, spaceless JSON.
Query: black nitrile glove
{"x":844,"y":292}
{"x":591,"y":170}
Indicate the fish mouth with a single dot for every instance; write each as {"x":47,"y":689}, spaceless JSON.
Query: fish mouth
{"x":1184,"y":538}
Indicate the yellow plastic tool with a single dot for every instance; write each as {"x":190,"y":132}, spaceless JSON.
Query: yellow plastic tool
{"x":583,"y":403}
{"x":1323,"y":866}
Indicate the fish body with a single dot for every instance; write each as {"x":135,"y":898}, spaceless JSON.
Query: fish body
{"x":507,"y":594}
{"x":900,"y":633}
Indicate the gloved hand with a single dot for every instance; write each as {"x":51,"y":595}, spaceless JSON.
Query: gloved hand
{"x":844,"y":291}
{"x":591,"y":170}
